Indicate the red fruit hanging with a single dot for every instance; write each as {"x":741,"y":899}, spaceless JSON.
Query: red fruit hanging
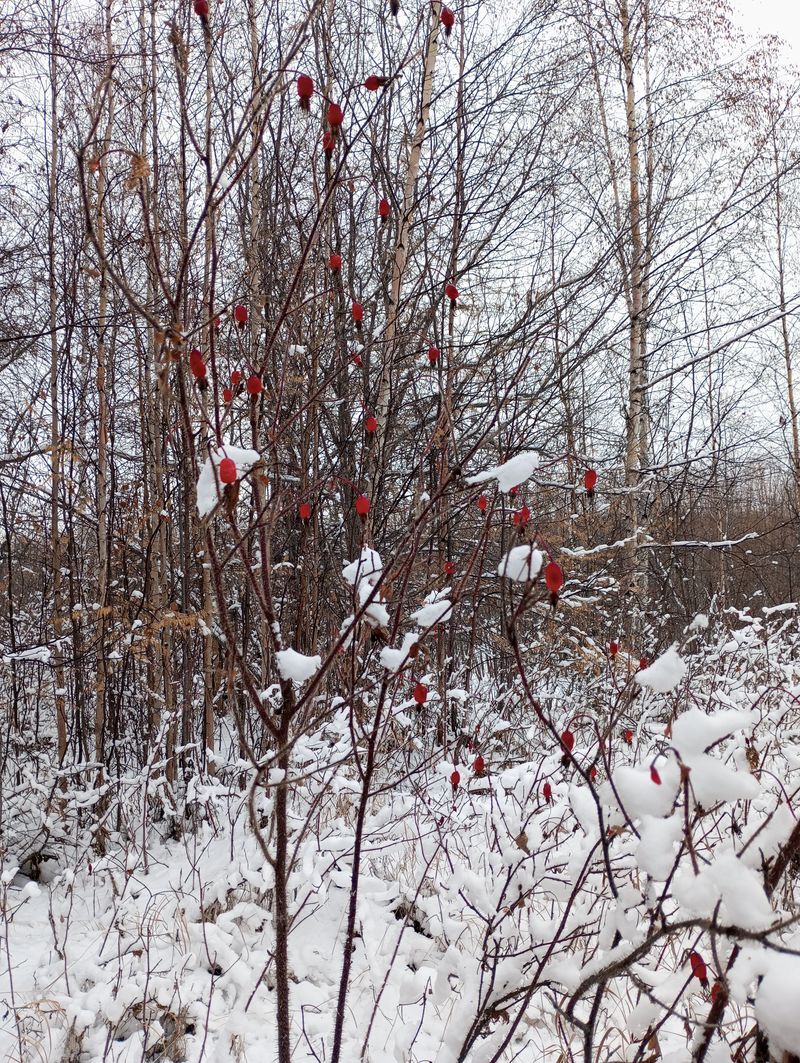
{"x":371,"y":425}
{"x":568,"y":740}
{"x":335,"y":262}
{"x":449,"y":568}
{"x":254,"y":385}
{"x":627,"y":736}
{"x":373,"y":83}
{"x":613,"y":649}
{"x":455,"y":779}
{"x":304,"y":511}
{"x":420,"y":693}
{"x":592,"y":773}
{"x":482,"y":503}
{"x":643,"y":663}
{"x":328,"y":143}
{"x":217,"y":324}
{"x":522,"y":516}
{"x":448,"y":21}
{"x":479,"y":765}
{"x":197,"y":365}
{"x":240,"y":315}
{"x":362,"y":506}
{"x":227,"y":471}
{"x":655,"y":776}
{"x":356,"y":359}
{"x":305,"y":90}
{"x":236,"y":377}
{"x":433,"y":355}
{"x":358,"y":315}
{"x":384,"y":210}
{"x":335,"y":117}
{"x":547,"y":793}
{"x":553,"y":577}
{"x":699,"y":969}
{"x":590,"y":481}
{"x":452,"y":293}
{"x":227,"y":395}
{"x":201,"y":9}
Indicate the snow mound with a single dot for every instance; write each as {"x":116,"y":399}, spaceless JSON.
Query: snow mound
{"x":393,"y":660}
{"x":511,"y":473}
{"x":367,"y":566}
{"x":521,"y":564}
{"x":436,"y":610}
{"x":664,"y":673}
{"x":297,"y":666}
{"x":209,"y":487}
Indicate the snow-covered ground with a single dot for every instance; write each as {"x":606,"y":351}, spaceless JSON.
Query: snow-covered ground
{"x":489,"y":914}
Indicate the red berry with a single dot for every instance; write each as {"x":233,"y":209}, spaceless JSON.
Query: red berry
{"x":356,"y":359}
{"x":553,"y":577}
{"x":643,"y":663}
{"x":335,"y":116}
{"x":482,"y":503}
{"x":254,"y":385}
{"x":593,"y":773}
{"x":568,"y":740}
{"x":362,"y":505}
{"x":547,"y":792}
{"x":304,"y":511}
{"x":448,"y":20}
{"x":236,"y":376}
{"x":371,"y":424}
{"x":305,"y":90}
{"x":358,"y":313}
{"x":335,"y":262}
{"x":217,"y":323}
{"x":227,"y":395}
{"x":627,"y":735}
{"x":420,"y":693}
{"x":455,"y":779}
{"x":201,"y":8}
{"x":479,"y":765}
{"x":384,"y":210}
{"x":698,"y":966}
{"x":451,"y":292}
{"x":522,"y":516}
{"x":433,"y":355}
{"x":590,"y":480}
{"x":449,"y":568}
{"x":197,"y":365}
{"x":227,"y":471}
{"x":328,"y":143}
{"x":613,"y":649}
{"x":717,"y":992}
{"x":655,"y":776}
{"x":373,"y":83}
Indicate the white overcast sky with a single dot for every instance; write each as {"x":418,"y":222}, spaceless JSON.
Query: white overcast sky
{"x":781,"y":17}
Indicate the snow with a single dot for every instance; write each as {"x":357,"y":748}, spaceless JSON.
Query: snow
{"x":778,"y":1002}
{"x":368,"y":565}
{"x":664,"y":674}
{"x":393,"y":660}
{"x":297,"y":666}
{"x":436,"y":610}
{"x":521,"y":564}
{"x":209,"y":489}
{"x":511,"y":473}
